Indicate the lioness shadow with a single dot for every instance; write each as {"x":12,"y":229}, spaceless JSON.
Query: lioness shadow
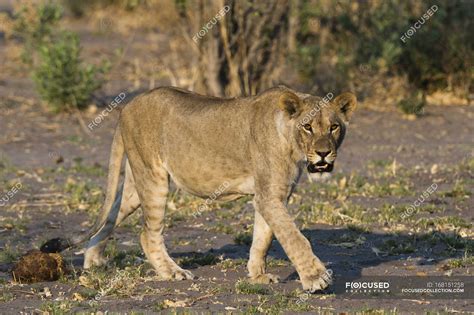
{"x":348,"y":252}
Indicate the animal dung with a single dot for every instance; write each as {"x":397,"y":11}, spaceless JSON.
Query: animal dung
{"x":36,"y":266}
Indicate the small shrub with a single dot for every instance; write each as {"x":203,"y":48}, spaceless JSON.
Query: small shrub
{"x":61,"y":78}
{"x":413,"y":105}
{"x":34,"y":24}
{"x":83,"y":7}
{"x":397,"y":247}
{"x":458,"y":191}
{"x":244,"y":287}
{"x":8,"y":256}
{"x":466,"y":261}
{"x":198,"y":260}
{"x":57,"y":307}
{"x":244,"y":238}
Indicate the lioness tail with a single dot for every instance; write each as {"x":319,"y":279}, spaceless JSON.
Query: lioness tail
{"x":116,"y":155}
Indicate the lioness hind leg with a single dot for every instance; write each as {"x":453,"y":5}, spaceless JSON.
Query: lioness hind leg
{"x":94,"y":254}
{"x":262,"y":239}
{"x":153,"y":189}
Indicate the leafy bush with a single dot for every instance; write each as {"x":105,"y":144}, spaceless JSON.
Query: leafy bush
{"x":80,"y":8}
{"x":61,"y":78}
{"x":337,"y":37}
{"x":34,"y":24}
{"x":413,"y":105}
{"x":439,"y":54}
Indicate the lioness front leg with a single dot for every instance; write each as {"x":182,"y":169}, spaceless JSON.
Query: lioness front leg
{"x":313,"y":274}
{"x":262,"y":239}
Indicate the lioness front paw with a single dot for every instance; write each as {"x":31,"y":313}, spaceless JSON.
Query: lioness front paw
{"x":265,"y":278}
{"x":176,"y":274}
{"x":317,"y":282}
{"x":183,"y":274}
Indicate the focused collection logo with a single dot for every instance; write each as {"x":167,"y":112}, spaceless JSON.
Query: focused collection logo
{"x":367,"y":287}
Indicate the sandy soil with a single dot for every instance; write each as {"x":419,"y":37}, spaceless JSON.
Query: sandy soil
{"x":353,"y":220}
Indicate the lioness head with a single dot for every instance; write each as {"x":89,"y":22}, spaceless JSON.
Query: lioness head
{"x":319,"y":125}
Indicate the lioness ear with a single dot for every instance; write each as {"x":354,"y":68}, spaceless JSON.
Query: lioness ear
{"x":290,"y":104}
{"x":345,"y":104}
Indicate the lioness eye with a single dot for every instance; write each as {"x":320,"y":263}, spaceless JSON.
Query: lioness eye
{"x":334,"y":127}
{"x":307,"y":127}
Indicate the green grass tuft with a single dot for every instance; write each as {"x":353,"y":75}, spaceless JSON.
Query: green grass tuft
{"x":244,"y":287}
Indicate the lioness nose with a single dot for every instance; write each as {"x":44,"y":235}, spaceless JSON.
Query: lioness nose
{"x":323,"y":153}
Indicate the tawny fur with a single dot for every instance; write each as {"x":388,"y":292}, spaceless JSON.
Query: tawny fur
{"x":255,"y":144}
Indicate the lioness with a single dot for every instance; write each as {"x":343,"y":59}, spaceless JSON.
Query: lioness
{"x":257,"y":145}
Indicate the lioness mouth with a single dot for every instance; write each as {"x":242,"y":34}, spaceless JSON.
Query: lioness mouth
{"x":320,"y":167}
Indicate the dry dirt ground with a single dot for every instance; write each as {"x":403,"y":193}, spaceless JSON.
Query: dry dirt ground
{"x":354,"y":219}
